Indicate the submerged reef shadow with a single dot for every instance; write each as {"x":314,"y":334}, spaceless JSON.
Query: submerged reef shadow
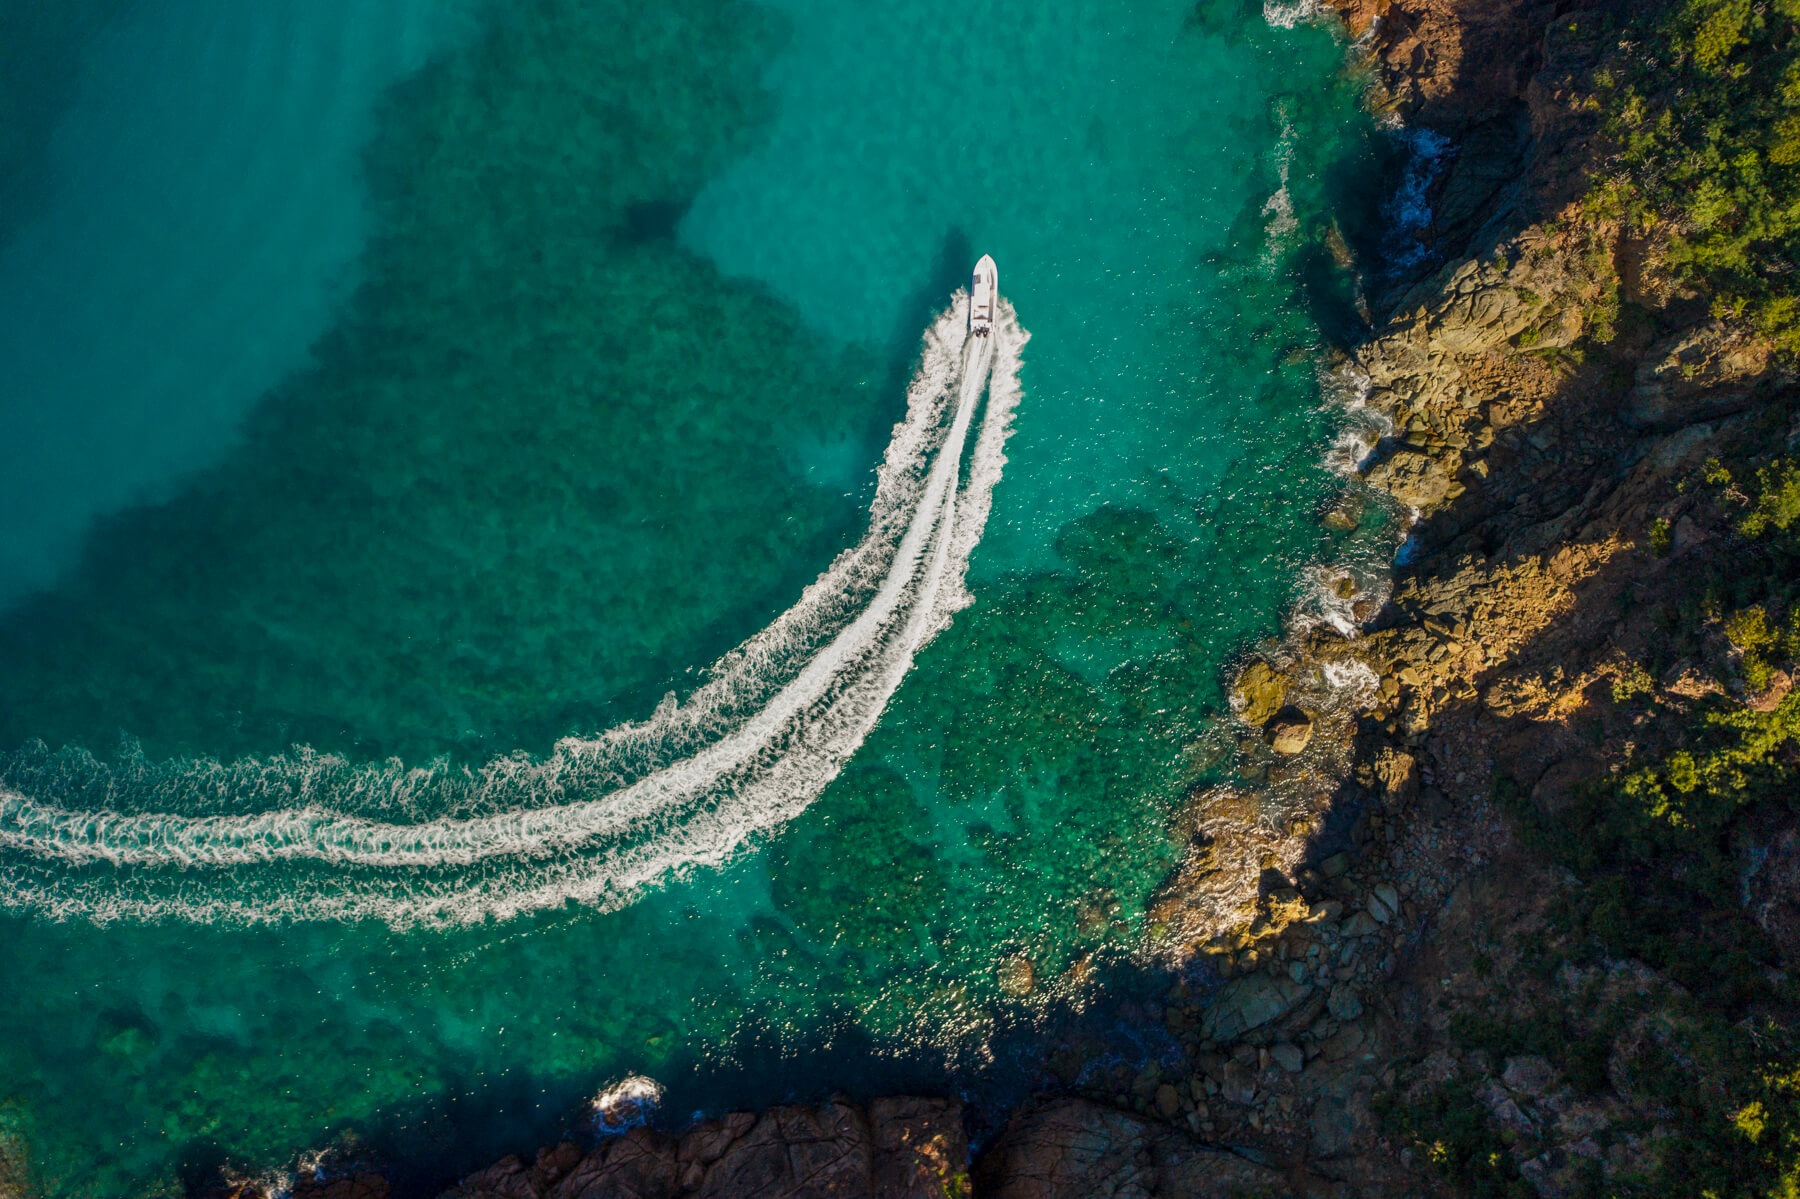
{"x":425,"y":1147}
{"x":43,"y":53}
{"x":495,"y":508}
{"x":1152,"y":700}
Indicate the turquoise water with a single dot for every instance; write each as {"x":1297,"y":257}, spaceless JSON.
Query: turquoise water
{"x":484,"y":377}
{"x":197,"y":220}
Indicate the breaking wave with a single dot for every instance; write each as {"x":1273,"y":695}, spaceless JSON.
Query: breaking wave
{"x":1279,"y":222}
{"x":1408,"y":211}
{"x":1362,"y":428}
{"x":313,"y":836}
{"x":1286,"y":14}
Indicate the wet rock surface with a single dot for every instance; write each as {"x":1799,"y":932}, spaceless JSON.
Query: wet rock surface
{"x":1260,"y":692}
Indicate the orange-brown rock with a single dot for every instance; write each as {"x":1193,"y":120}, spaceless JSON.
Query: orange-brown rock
{"x":1454,"y":62}
{"x":905,"y":1148}
{"x":1290,"y":731}
{"x":1696,"y":374}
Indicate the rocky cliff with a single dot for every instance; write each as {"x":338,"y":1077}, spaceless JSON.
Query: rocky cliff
{"x":1533,"y":966}
{"x":1502,"y":897}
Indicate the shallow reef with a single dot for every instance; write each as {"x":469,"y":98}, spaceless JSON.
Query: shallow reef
{"x":525,"y":485}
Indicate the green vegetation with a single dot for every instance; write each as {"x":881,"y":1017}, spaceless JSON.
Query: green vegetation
{"x":1658,"y":848}
{"x":1777,"y":503}
{"x":1770,"y":522}
{"x":1692,"y":794}
{"x":1450,"y":1125}
{"x":1722,"y":756}
{"x":1667,"y":819}
{"x":1705,"y":113}
{"x":1633,"y":681}
{"x":1700,"y":102}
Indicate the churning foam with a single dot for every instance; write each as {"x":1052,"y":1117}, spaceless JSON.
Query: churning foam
{"x":312,"y":836}
{"x":1286,"y":14}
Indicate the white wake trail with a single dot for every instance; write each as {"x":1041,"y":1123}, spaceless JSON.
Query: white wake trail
{"x":601,"y":818}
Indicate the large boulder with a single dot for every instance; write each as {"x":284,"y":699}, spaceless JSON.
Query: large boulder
{"x":1218,"y":884}
{"x":1485,"y":165}
{"x":511,"y":1178}
{"x":1346,"y":514}
{"x":921,"y":1150}
{"x":1250,"y":1002}
{"x":1260,"y":691}
{"x":508,"y":1178}
{"x":1017,"y":975}
{"x":1071,"y":1149}
{"x":1398,"y":774}
{"x":796,"y":1151}
{"x":1697,"y":374}
{"x":1290,"y":731}
{"x":642,"y":1164}
{"x":1449,"y":64}
{"x":1416,"y":479}
{"x":1486,"y":304}
{"x":1341,"y":1118}
{"x":358,"y":1184}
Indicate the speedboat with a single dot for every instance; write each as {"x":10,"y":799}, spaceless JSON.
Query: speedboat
{"x":984,"y":296}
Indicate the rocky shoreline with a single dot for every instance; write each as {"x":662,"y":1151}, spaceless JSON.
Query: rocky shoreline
{"x":1550,"y":466}
{"x":1537,"y":403}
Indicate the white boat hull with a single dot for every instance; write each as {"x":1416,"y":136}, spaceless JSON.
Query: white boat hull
{"x":984,"y":296}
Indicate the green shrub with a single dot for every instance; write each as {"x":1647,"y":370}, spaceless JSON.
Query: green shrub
{"x":1749,"y":630}
{"x":1683,"y":804}
{"x":1448,"y":1127}
{"x":1632,"y":681}
{"x":1705,"y":114}
{"x":1777,"y":502}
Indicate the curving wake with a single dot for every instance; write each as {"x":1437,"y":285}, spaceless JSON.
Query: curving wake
{"x":312,"y":836}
